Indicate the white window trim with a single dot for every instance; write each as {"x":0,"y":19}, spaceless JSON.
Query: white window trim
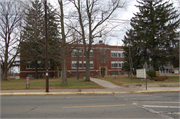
{"x":73,"y":53}
{"x":39,"y":62}
{"x":117,"y":62}
{"x":91,"y":62}
{"x":91,"y":52}
{"x":75,"y":62}
{"x":117,"y":52}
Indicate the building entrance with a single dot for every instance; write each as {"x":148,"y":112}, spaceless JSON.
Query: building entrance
{"x":103,"y":71}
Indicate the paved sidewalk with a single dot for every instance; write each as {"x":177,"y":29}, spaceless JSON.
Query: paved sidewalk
{"x":105,"y":84}
{"x":110,"y":88}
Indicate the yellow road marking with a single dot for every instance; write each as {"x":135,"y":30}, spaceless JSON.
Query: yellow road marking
{"x":95,"y":106}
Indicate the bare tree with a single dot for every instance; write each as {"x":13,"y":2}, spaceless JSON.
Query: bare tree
{"x":11,"y":14}
{"x":92,"y":17}
{"x":63,"y":51}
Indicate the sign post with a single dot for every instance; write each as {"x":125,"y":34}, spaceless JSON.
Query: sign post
{"x":27,"y":82}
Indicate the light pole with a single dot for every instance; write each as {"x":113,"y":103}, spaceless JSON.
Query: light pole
{"x":46,"y":48}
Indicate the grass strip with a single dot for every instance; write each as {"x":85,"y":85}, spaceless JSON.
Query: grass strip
{"x":54,"y":83}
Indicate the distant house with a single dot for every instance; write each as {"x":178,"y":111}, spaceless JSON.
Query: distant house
{"x":104,"y":60}
{"x":168,"y":68}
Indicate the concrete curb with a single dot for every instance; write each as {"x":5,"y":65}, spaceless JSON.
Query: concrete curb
{"x":83,"y":93}
{"x":156,"y":91}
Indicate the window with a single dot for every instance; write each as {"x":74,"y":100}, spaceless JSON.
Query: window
{"x":92,"y":73}
{"x":102,"y":52}
{"x":90,"y":65}
{"x":120,"y":65}
{"x":122,"y":54}
{"x":40,"y":65}
{"x":125,"y":73}
{"x":74,"y":64}
{"x":114,"y":64}
{"x":103,"y":60}
{"x":73,"y":73}
{"x":117,"y":54}
{"x":30,"y":65}
{"x":75,"y":53}
{"x":84,"y":64}
{"x":30,"y":75}
{"x":114,"y":73}
{"x":113,"y":54}
{"x":91,"y":53}
{"x":117,"y":64}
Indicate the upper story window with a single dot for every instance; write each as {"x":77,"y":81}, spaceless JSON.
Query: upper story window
{"x":91,"y":53}
{"x":30,"y":65}
{"x":40,"y":65}
{"x":117,"y":64}
{"x":102,"y":52}
{"x":76,"y":53}
{"x":74,"y":64}
{"x":117,"y":54}
{"x":103,"y":60}
{"x":91,"y":65}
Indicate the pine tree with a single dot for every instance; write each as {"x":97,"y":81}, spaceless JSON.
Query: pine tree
{"x":33,"y":45}
{"x":153,"y":33}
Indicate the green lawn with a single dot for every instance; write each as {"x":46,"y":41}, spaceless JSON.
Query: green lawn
{"x":120,"y":80}
{"x":54,"y":83}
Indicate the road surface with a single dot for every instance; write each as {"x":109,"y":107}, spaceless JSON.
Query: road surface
{"x":143,"y":105}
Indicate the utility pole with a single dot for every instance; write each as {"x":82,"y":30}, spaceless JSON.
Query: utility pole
{"x":46,"y":46}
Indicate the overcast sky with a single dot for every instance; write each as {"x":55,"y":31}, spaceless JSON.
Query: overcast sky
{"x":124,"y":16}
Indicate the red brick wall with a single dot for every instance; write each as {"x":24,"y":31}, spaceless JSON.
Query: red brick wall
{"x":96,"y":63}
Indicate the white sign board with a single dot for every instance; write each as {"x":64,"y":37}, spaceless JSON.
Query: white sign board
{"x":140,"y":73}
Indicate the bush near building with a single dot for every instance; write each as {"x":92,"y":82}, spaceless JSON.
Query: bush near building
{"x":151,"y":73}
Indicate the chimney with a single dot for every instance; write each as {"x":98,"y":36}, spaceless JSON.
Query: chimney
{"x":100,"y":42}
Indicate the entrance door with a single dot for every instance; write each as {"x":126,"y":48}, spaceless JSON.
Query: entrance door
{"x":103,"y":72}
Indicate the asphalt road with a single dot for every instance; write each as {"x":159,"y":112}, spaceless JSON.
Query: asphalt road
{"x":147,"y":105}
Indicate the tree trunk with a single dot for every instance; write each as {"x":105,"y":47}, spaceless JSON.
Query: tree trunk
{"x":87,"y":69}
{"x":63,"y":56}
{"x":155,"y":66}
{"x":5,"y":64}
{"x":63,"y":66}
{"x":36,"y":66}
{"x":4,"y":75}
